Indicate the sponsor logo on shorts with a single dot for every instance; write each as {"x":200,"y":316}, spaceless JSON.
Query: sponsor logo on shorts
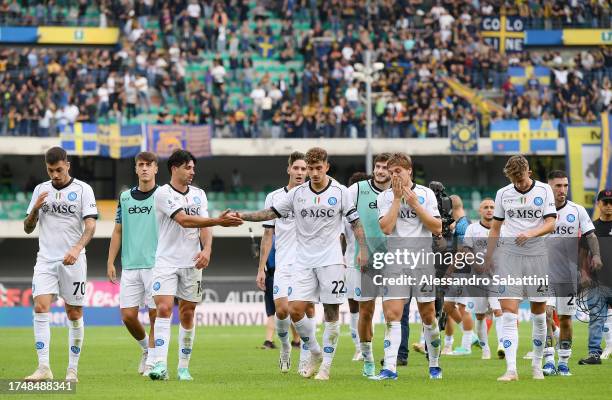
{"x":276,"y":289}
{"x":75,"y":349}
{"x":156,"y":286}
{"x":186,"y":351}
{"x":159,"y":342}
{"x":72,"y":196}
{"x":332,"y":201}
{"x":328,"y":349}
{"x":435,"y":343}
{"x":507,"y":344}
{"x":538,"y":201}
{"x":386,"y":343}
{"x":570,"y":218}
{"x":40,"y":345}
{"x":537,"y":342}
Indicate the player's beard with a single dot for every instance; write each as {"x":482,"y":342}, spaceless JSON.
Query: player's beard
{"x":382,"y":182}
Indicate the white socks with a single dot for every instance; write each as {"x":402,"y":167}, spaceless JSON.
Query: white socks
{"x":185,"y":346}
{"x":608,"y":330}
{"x":76,"y":333}
{"x":448,"y":341}
{"x":565,"y":351}
{"x":539,"y":337}
{"x":432,"y":338}
{"x":42,"y":337}
{"x":510,"y":339}
{"x":393,"y":339}
{"x":306,"y":329}
{"x":330,"y":341}
{"x":282,"y":330}
{"x":354,"y":332}
{"x":549,"y":355}
{"x":144,"y":343}
{"x":466,"y":339}
{"x":366,"y":350}
{"x":481,"y":331}
{"x":499,"y":329}
{"x":162,"y":339}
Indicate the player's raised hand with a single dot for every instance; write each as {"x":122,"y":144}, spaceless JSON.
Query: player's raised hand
{"x":397,"y":187}
{"x":411,"y":198}
{"x":261,"y":279}
{"x":72,"y":255}
{"x":111,"y":273}
{"x":202,"y":259}
{"x":40,"y":201}
{"x":227,"y":219}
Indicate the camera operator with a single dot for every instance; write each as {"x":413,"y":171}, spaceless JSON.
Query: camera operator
{"x":457,"y":298}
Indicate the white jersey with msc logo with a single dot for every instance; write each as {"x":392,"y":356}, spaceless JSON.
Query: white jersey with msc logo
{"x":177,"y":246}
{"x":522,"y":211}
{"x":475,"y":237}
{"x":284,"y":230}
{"x":318,"y":222}
{"x":60,"y":219}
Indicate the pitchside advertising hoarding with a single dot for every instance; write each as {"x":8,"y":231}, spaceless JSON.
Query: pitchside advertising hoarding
{"x":224,"y":304}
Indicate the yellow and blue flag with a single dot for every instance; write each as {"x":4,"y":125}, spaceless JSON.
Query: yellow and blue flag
{"x":81,"y":139}
{"x":266,"y":46}
{"x":525,"y":136}
{"x":120,"y":141}
{"x":583,"y":145}
{"x":605,"y":165}
{"x":520,"y":77}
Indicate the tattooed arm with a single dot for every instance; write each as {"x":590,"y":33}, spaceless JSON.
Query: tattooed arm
{"x":362,"y":259}
{"x":261,"y":215}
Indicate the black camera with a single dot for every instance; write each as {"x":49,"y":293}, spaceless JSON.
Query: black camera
{"x":445,"y":206}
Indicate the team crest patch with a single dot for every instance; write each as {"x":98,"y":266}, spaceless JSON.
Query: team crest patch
{"x":435,"y":343}
{"x":332,"y":201}
{"x":328,"y":349}
{"x":72,"y":196}
{"x":197,"y":200}
{"x":507,"y":344}
{"x":386,"y":343}
{"x":570,"y":218}
{"x":276,"y":289}
{"x":421,"y":200}
{"x":538,"y":201}
{"x":357,"y":291}
{"x":156,"y":286}
{"x":537,"y":342}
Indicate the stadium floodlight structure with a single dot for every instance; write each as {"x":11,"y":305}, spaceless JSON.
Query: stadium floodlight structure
{"x":367,"y":74}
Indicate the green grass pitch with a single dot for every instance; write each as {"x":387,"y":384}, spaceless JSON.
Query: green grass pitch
{"x":228,"y":364}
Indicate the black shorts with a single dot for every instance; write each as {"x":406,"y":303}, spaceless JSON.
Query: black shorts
{"x":268,"y":296}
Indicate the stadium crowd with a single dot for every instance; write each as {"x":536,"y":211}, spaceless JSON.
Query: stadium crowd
{"x":421,"y":44}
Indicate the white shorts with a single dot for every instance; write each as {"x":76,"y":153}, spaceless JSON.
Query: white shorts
{"x":423,"y":293}
{"x":184,"y":283}
{"x":322,"y":284}
{"x":353,"y":281}
{"x":135,"y":288}
{"x":563,"y":305}
{"x":459,"y":300}
{"x":483,"y":304}
{"x":518,"y":266}
{"x":67,"y":281}
{"x":282,"y":281}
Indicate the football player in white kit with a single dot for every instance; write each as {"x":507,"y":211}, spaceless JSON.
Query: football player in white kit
{"x":283,"y":230}
{"x":408,"y":214}
{"x":573,"y":222}
{"x":65,"y":209}
{"x":475,"y":241}
{"x":527,"y":210}
{"x":319,"y":273}
{"x":183,"y":250}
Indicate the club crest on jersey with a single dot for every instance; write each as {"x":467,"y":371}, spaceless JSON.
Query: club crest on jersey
{"x":72,"y":196}
{"x":538,"y":201}
{"x":197,"y":200}
{"x":332,"y":201}
{"x":570,"y":218}
{"x":421,"y":199}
